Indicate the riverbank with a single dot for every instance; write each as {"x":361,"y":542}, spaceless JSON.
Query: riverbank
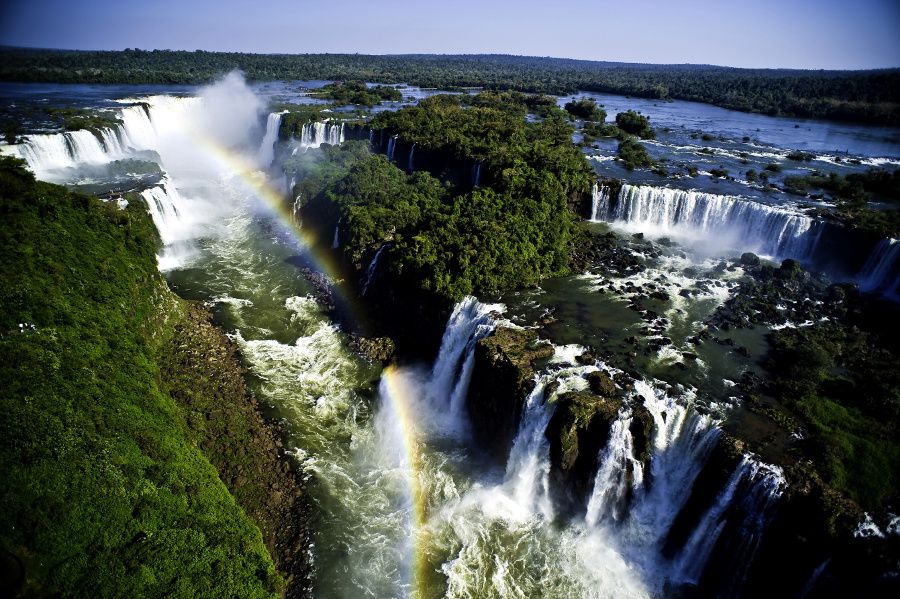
{"x":134,"y":461}
{"x":204,"y":376}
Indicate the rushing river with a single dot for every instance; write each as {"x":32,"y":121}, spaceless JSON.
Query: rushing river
{"x":404,"y":503}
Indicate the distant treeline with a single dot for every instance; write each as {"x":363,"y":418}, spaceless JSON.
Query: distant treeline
{"x":867,"y":96}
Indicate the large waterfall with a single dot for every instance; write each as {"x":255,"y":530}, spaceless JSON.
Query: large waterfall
{"x":267,"y":148}
{"x":317,"y":133}
{"x":48,"y":152}
{"x":449,"y":382}
{"x":711,"y":222}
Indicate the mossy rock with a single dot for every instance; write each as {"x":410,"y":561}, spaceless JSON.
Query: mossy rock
{"x":502,"y":377}
{"x":601,"y":384}
{"x":577,"y":432}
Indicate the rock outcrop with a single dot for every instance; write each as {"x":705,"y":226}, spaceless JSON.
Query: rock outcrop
{"x":502,"y":378}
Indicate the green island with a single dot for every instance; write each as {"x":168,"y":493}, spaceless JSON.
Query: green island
{"x":446,"y":238}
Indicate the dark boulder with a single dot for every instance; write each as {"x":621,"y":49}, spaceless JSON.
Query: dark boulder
{"x":502,"y":378}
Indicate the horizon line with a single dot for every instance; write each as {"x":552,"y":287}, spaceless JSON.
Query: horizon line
{"x":473,"y":54}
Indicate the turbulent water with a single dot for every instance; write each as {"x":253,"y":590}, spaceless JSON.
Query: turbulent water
{"x":405,"y":505}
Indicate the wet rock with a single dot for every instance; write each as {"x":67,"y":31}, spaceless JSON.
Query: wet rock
{"x":600,"y":383}
{"x":502,"y":377}
{"x":376,"y":349}
{"x":750,"y":259}
{"x":577,"y":432}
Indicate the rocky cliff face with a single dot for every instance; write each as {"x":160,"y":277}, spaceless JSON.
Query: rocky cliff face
{"x":502,"y":377}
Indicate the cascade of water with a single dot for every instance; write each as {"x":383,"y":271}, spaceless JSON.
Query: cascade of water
{"x":47,"y":152}
{"x":612,"y":487}
{"x":476,"y":173}
{"x":599,"y":203}
{"x":470,"y":321}
{"x":373,"y":268}
{"x":680,"y":445}
{"x":372,"y":139}
{"x":881,"y":272}
{"x":87,"y":148}
{"x":266,"y":152}
{"x":392,"y":144}
{"x":528,"y":466}
{"x":112,"y":141}
{"x":732,"y":223}
{"x":336,"y":242}
{"x":409,"y":163}
{"x":745,"y":504}
{"x":317,"y":133}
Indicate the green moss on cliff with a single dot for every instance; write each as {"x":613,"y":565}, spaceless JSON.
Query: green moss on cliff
{"x":103,"y":491}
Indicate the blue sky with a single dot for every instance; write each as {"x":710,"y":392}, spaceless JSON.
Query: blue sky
{"x":762,"y":33}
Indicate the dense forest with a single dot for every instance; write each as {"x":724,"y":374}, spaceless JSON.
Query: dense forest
{"x":452,"y":239}
{"x":869,"y":96}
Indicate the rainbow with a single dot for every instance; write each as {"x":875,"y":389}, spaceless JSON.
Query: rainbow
{"x":395,"y":391}
{"x":394,"y":388}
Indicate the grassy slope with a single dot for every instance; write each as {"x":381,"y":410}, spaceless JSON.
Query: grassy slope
{"x":103,"y":491}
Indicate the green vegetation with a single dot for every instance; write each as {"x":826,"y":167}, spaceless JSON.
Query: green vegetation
{"x":587,"y":109}
{"x":357,"y":92}
{"x":105,"y":492}
{"x":635,"y":123}
{"x":73,"y":119}
{"x":844,"y":385}
{"x":872,"y":96}
{"x":591,"y":131}
{"x":446,"y":239}
{"x":718,"y":173}
{"x":852,"y":194}
{"x":799,"y":156}
{"x":633,"y":154}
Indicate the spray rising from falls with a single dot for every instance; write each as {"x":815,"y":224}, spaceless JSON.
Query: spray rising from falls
{"x":711,"y":222}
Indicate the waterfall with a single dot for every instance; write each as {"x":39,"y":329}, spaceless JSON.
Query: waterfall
{"x":449,"y":381}
{"x":373,"y":268}
{"x":612,"y":487}
{"x":392,"y":144}
{"x":744,"y":507}
{"x":372,"y":138}
{"x":881,"y":272}
{"x":476,"y":173}
{"x":266,"y":152}
{"x":409,"y":165}
{"x":681,"y":442}
{"x":46,"y":152}
{"x":172,"y":216}
{"x":336,"y":242}
{"x":599,"y":203}
{"x":317,"y":133}
{"x":528,"y":466}
{"x":718,"y":221}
